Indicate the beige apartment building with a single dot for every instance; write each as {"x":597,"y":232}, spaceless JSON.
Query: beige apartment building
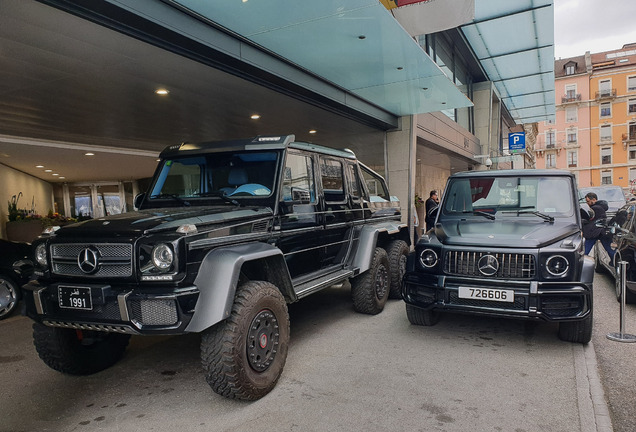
{"x":594,"y":133}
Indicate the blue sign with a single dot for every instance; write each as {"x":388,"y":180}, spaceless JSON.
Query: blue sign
{"x":517,"y":142}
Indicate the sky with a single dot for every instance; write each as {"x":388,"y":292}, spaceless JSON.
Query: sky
{"x":592,"y":25}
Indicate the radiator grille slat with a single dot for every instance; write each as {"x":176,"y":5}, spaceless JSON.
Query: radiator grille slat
{"x":510,"y":265}
{"x":115,"y":259}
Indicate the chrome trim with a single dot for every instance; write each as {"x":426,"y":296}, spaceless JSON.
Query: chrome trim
{"x":37,"y":299}
{"x":231,"y":240}
{"x":123,"y":307}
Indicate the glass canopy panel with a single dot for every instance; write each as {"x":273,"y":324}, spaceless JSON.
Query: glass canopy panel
{"x":514,"y":43}
{"x":356,"y":44}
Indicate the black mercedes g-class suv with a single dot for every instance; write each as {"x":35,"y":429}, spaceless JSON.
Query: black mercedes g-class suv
{"x":226,"y":236}
{"x":505,"y":243}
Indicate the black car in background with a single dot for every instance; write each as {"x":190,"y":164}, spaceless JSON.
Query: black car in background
{"x":623,"y":231}
{"x":15,"y":270}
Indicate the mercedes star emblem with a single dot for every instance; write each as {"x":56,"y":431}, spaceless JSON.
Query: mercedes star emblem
{"x":488,"y":265}
{"x":88,"y":260}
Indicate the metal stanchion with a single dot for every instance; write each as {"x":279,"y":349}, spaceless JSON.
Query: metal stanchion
{"x":622,"y":336}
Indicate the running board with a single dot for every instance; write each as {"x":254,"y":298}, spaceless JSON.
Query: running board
{"x":314,"y":285}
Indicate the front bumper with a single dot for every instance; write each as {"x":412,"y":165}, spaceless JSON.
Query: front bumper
{"x":548,"y":301}
{"x":114,"y":309}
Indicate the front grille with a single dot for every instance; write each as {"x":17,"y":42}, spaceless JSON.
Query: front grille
{"x":115,"y":260}
{"x":510,"y":265}
{"x":154,"y":312}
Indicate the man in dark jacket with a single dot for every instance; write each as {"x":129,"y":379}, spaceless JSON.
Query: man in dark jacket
{"x":431,"y":209}
{"x":593,"y":232}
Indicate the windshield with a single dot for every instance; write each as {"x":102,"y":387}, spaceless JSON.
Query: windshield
{"x":547,"y":198}
{"x":228,"y":174}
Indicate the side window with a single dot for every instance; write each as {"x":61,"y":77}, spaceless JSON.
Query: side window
{"x":355,"y":181}
{"x":375,"y":185}
{"x":298,"y":181}
{"x":332,"y":179}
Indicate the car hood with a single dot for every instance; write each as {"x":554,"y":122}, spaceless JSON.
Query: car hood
{"x":162,"y":219}
{"x":505,"y":233}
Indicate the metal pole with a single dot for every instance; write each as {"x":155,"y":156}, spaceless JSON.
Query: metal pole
{"x":622,"y":336}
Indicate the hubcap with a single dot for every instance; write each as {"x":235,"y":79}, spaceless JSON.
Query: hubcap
{"x":7,"y":297}
{"x":381,"y":282}
{"x":262,"y":340}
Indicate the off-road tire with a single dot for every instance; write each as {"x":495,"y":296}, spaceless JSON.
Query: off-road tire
{"x":370,"y":290}
{"x":9,"y":296}
{"x":259,"y":315}
{"x":577,"y":331}
{"x":421,"y":317}
{"x":78,"y":352}
{"x":397,"y":252}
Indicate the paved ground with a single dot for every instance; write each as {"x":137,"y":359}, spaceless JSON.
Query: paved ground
{"x":345,"y":371}
{"x":617,"y":361}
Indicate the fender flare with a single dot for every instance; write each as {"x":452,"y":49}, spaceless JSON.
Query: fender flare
{"x":369,"y":239}
{"x":217,"y":280}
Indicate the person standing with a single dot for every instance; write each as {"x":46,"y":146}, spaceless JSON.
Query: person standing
{"x":431,"y":209}
{"x":593,"y":232}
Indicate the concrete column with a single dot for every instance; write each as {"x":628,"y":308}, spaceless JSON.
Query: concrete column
{"x":400,"y":148}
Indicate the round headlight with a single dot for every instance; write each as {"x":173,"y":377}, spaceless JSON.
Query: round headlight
{"x":162,"y":256}
{"x":428,"y":258}
{"x":40,"y":254}
{"x":557,"y":265}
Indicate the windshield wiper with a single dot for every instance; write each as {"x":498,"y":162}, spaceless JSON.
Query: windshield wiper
{"x":543,"y":216}
{"x":173,"y":196}
{"x":480,"y":213}
{"x":219,"y":194}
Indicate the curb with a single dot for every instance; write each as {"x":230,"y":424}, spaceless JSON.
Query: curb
{"x":594,"y":414}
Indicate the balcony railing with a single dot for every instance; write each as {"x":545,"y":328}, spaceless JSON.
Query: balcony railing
{"x":629,"y":137}
{"x":605,"y":94}
{"x":571,"y":98}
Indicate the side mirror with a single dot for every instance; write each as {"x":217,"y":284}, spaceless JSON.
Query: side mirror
{"x":139,"y":198}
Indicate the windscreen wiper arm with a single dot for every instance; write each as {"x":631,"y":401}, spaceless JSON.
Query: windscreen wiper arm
{"x":173,"y":196}
{"x":480,"y":213}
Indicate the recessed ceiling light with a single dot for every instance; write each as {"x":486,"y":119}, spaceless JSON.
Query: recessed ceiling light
{"x":255,"y":116}
{"x":89,"y":154}
{"x":55,"y":174}
{"x":162,"y":91}
{"x":48,"y":170}
{"x":62,"y":177}
{"x":400,"y":68}
{"x":313,"y":131}
{"x":39,"y":166}
{"x":362,"y":37}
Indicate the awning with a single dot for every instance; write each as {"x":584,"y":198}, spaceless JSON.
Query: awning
{"x":514,"y":42}
{"x":355,"y":44}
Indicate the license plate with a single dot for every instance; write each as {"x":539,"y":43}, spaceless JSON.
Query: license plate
{"x":75,"y":298}
{"x":489,"y":294}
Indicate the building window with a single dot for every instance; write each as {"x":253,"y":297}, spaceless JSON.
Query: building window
{"x":606,"y":177}
{"x":572,"y":159}
{"x":572,"y":136}
{"x":606,"y":155}
{"x":570,"y":69}
{"x":631,"y":83}
{"x":631,"y":131}
{"x":632,"y":152}
{"x":606,"y":133}
{"x":550,"y":139}
{"x":570,"y":91}
{"x":550,"y":160}
{"x":631,"y":106}
{"x":571,"y":114}
{"x":606,"y":109}
{"x":632,"y":175}
{"x":605,"y":88}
